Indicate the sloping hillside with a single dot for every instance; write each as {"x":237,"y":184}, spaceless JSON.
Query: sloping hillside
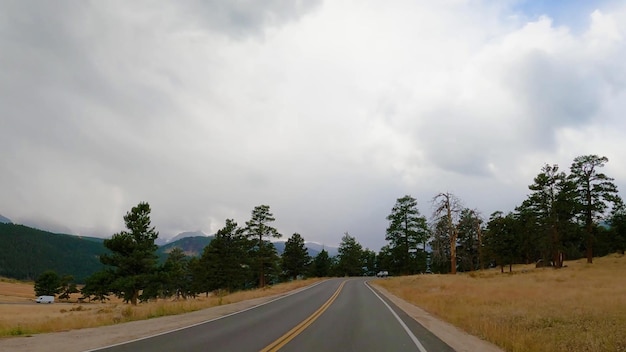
{"x":192,"y":246}
{"x":26,"y":252}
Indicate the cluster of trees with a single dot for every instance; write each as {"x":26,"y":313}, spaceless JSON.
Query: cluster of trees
{"x":565,"y":216}
{"x":237,"y":258}
{"x":49,"y":283}
{"x":573,"y":215}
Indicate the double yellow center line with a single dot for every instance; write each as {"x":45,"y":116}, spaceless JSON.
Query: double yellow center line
{"x":291,"y":334}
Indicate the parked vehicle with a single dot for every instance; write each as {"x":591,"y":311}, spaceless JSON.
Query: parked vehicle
{"x":45,"y":299}
{"x":383,"y":273}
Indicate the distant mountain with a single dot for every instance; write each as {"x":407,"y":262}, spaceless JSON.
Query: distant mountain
{"x":4,"y":220}
{"x":164,"y":241}
{"x":46,"y":225}
{"x":187,"y":234}
{"x":27,"y":252}
{"x":192,"y":246}
{"x":332,"y":251}
{"x":312,"y":248}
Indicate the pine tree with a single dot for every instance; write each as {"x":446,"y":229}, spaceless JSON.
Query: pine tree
{"x":225,"y":262}
{"x":295,"y":258}
{"x":407,"y":232}
{"x":133,"y":254}
{"x":258,"y":229}
{"x":350,"y":258}
{"x":47,"y":284}
{"x":321,"y":264}
{"x":552,"y":200}
{"x":595,"y":194}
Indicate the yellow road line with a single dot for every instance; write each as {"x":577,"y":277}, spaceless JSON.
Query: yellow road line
{"x":291,"y":334}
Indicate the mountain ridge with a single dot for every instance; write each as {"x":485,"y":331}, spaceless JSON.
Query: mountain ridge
{"x":5,"y":220}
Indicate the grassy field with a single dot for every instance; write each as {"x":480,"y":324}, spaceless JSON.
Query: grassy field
{"x":581,"y":307}
{"x":20,"y":316}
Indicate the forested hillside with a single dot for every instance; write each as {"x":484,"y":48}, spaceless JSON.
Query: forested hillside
{"x":191,"y":246}
{"x":26,"y":252}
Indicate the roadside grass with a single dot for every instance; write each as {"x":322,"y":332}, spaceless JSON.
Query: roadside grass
{"x":19,"y":319}
{"x":581,"y":307}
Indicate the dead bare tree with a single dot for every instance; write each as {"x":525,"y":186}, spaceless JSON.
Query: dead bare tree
{"x":449,"y":206}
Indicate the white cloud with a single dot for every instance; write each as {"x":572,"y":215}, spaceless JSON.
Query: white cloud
{"x":327,"y":112}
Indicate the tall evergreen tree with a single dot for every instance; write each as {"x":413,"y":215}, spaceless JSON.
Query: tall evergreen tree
{"x":552,"y":200}
{"x":501,"y":243}
{"x":295,"y":257}
{"x":385,"y":259}
{"x":595,"y":194}
{"x":350,"y":257}
{"x":469,"y":230}
{"x":321,"y":264}
{"x":176,"y":274}
{"x":225,"y":261}
{"x":258,"y":229}
{"x":407,"y":234}
{"x":133,"y":254}
{"x":532,"y":240}
{"x":369,"y":262}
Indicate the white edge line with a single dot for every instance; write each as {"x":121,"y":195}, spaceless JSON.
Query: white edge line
{"x":207,"y":321}
{"x":406,"y":328}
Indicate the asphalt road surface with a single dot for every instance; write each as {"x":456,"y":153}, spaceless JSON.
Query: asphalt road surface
{"x":335,"y":315}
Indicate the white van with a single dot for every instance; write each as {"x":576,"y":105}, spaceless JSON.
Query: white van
{"x":45,"y":299}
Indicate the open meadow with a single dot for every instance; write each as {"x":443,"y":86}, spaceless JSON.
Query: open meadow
{"x":20,"y":315}
{"x":581,"y":307}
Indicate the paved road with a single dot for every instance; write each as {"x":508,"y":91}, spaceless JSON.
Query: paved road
{"x":335,"y":315}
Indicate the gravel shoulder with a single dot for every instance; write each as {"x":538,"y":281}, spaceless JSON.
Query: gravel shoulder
{"x":93,"y":338}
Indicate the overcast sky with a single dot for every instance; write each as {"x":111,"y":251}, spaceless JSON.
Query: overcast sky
{"x":327,"y":111}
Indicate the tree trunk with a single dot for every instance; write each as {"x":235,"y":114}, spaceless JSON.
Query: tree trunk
{"x":481,"y":265}
{"x":452,"y":240}
{"x":589,"y":248}
{"x":133,"y":299}
{"x":261,"y":263}
{"x":589,"y":221}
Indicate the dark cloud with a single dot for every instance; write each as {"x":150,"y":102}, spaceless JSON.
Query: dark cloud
{"x":242,"y":18}
{"x":556,"y":92}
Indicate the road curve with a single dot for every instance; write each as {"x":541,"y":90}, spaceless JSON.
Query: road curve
{"x":335,"y":315}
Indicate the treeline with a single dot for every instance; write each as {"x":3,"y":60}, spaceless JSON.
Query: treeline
{"x":566,"y":215}
{"x":239,"y":257}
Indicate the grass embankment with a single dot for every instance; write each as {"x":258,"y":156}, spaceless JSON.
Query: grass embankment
{"x":19,"y":316}
{"x":581,"y":307}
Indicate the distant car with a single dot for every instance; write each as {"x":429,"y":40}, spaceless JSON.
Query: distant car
{"x":45,"y":299}
{"x":382,"y":273}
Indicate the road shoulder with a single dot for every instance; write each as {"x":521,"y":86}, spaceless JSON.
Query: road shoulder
{"x":456,"y":338}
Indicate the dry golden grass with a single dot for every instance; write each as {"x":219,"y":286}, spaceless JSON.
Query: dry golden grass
{"x":17,"y":318}
{"x":578,"y":308}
